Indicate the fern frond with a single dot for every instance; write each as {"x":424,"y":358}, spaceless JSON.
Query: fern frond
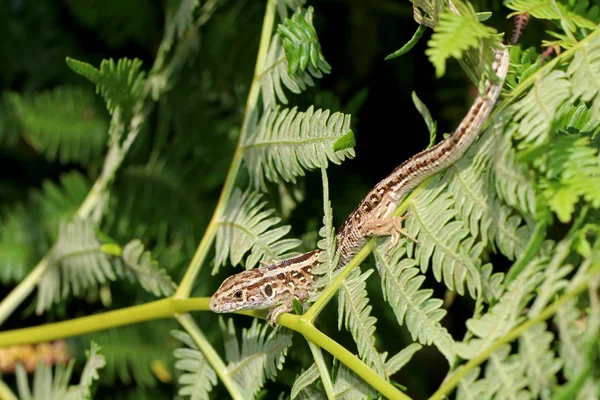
{"x":286,"y":142}
{"x":275,"y":73}
{"x":455,"y":34}
{"x":445,"y":242}
{"x":131,"y":351}
{"x":541,"y":364}
{"x":21,"y":243}
{"x":401,"y":286}
{"x":63,"y":124}
{"x":259,"y":357}
{"x":246,"y":226}
{"x":348,"y":386}
{"x":505,"y":376}
{"x":514,"y":182}
{"x":146,"y":271}
{"x":60,"y":202}
{"x":179,"y":20}
{"x":478,"y":205}
{"x":47,"y":388}
{"x":283,"y":5}
{"x":400,"y":359}
{"x":120,"y":85}
{"x":355,"y":312}
{"x":534,"y":113}
{"x":77,"y":260}
{"x":554,"y":10}
{"x":505,"y":314}
{"x":301,"y":43}
{"x":305,"y":379}
{"x":198,"y":378}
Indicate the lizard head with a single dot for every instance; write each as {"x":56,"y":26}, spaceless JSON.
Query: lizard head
{"x":248,"y":290}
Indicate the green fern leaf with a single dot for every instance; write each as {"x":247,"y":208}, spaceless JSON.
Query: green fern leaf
{"x":301,"y":43}
{"x":444,"y":240}
{"x":505,"y":314}
{"x":275,"y":72}
{"x":514,"y":182}
{"x":348,"y":386}
{"x":541,"y":364}
{"x":584,"y":74}
{"x":534,"y":113}
{"x":150,"y":277}
{"x":63,"y":124}
{"x":259,"y":357}
{"x":413,"y":306}
{"x":120,"y":85}
{"x":354,"y":310}
{"x":454,"y":34}
{"x":399,"y":360}
{"x":77,"y":258}
{"x":180,"y":18}
{"x":305,"y":379}
{"x":287,"y":142}
{"x":198,"y":378}
{"x":21,"y":243}
{"x":47,"y":388}
{"x":554,"y":10}
{"x":246,"y":227}
{"x":61,"y":202}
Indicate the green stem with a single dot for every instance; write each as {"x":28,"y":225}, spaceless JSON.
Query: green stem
{"x":188,"y":323}
{"x":186,"y":284}
{"x":308,"y":330}
{"x":549,"y":311}
{"x":6,"y":393}
{"x":322,"y":368}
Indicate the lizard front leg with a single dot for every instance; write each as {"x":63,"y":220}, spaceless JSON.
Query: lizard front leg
{"x":391,"y":226}
{"x":301,"y":294}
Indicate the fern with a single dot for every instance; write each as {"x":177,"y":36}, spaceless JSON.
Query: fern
{"x":77,"y":260}
{"x":584,"y":75}
{"x":454,"y":34}
{"x":551,"y":10}
{"x":198,"y":377}
{"x":301,"y":44}
{"x":120,"y":85}
{"x":61,"y":202}
{"x":287,"y":142}
{"x":146,"y":271}
{"x":180,"y":20}
{"x":132,"y":351}
{"x":64,"y":124}
{"x":47,"y":388}
{"x":400,"y":359}
{"x":304,"y":380}
{"x":246,"y":226}
{"x":534,"y":112}
{"x":348,"y":386}
{"x":275,"y":72}
{"x":445,"y":242}
{"x":413,"y":306}
{"x":355,"y":312}
{"x":259,"y":357}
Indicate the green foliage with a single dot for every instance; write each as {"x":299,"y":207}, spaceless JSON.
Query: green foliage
{"x":246,"y":226}
{"x":456,"y":33}
{"x":257,"y":358}
{"x":287,"y":142}
{"x":146,"y":271}
{"x":197,"y":378}
{"x":120,"y":85}
{"x":48,"y":388}
{"x":64,"y":124}
{"x":301,"y":44}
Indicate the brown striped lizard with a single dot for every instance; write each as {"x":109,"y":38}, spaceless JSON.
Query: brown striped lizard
{"x":275,"y":286}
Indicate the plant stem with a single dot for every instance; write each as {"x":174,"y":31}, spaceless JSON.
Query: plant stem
{"x":186,"y":284}
{"x":322,"y":368}
{"x":6,"y":393}
{"x":308,"y":330}
{"x":211,"y":355}
{"x":549,"y":311}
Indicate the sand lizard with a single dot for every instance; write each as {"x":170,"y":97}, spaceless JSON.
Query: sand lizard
{"x":275,"y":286}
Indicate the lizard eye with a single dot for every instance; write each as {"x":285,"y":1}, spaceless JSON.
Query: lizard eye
{"x":269,"y":290}
{"x":238,"y":294}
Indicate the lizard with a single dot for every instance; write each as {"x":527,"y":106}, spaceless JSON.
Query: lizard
{"x":275,"y":286}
